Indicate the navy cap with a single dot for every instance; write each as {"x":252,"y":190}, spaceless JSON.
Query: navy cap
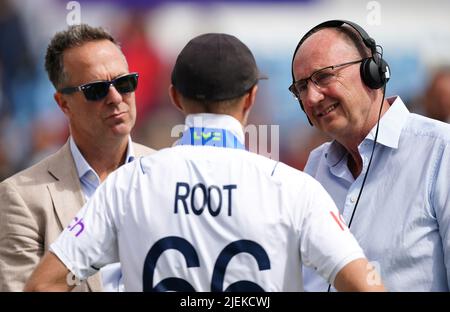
{"x":215,"y":67}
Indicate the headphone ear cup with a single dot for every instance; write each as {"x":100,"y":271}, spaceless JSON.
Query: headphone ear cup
{"x":385,"y":71}
{"x":371,"y":73}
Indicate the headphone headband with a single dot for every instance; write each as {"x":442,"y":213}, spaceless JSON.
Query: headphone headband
{"x":368,"y":41}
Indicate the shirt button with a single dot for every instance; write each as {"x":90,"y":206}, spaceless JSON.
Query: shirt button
{"x":352,"y":199}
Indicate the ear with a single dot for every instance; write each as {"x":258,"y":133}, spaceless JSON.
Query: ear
{"x":175,"y":98}
{"x":62,"y":102}
{"x":248,"y":102}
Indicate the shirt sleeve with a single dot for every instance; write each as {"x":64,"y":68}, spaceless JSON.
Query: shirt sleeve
{"x":326,"y":243}
{"x":90,"y":240}
{"x":440,"y":201}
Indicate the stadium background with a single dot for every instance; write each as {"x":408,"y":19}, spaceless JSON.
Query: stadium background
{"x":415,"y":36}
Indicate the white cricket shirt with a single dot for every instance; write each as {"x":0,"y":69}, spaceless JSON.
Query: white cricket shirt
{"x":208,"y":218}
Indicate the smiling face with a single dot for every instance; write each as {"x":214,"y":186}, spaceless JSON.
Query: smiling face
{"x":344,"y":107}
{"x":105,"y":120}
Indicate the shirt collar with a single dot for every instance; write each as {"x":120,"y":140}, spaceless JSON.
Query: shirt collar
{"x":335,"y":153}
{"x":130,"y":152}
{"x":391,"y":125}
{"x":82,"y":165}
{"x":227,"y":122}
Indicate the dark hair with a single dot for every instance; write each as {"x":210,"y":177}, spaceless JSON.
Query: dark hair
{"x":74,"y":36}
{"x":215,"y":107}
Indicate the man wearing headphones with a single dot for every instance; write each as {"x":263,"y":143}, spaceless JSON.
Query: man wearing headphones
{"x":402,"y":218}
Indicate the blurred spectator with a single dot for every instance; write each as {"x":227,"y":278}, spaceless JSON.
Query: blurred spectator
{"x":46,"y":138}
{"x":17,"y":85}
{"x":17,"y":65}
{"x":437,"y":96}
{"x":143,"y":58}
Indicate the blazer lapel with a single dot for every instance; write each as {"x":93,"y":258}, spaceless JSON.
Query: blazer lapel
{"x":67,"y":195}
{"x":66,"y":192}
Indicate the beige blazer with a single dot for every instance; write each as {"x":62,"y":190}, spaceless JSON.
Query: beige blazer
{"x":35,"y":205}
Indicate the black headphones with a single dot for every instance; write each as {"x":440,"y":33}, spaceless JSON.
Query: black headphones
{"x":374,"y":70}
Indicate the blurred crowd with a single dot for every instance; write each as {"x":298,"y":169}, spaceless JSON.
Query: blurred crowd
{"x":32,"y":126}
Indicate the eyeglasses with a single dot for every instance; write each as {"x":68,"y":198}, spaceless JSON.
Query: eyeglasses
{"x":97,"y":90}
{"x":321,"y":78}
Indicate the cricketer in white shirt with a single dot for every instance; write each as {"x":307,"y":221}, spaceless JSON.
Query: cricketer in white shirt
{"x":207,"y":215}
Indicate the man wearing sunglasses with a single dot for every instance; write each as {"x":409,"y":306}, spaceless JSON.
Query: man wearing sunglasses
{"x":387,"y":170}
{"x":95,"y":90}
{"x":207,"y":215}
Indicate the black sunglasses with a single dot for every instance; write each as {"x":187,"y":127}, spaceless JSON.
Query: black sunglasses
{"x":97,"y":90}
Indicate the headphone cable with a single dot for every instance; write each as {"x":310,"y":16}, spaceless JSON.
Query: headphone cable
{"x":373,"y":148}
{"x":368,"y":166}
{"x":370,"y":160}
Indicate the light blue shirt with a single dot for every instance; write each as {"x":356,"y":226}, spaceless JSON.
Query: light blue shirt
{"x":402,"y":221}
{"x":89,"y":180}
